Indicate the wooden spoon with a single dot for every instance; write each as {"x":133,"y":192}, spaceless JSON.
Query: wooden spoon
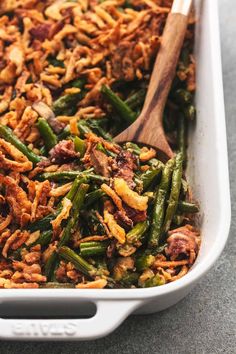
{"x":148,"y":128}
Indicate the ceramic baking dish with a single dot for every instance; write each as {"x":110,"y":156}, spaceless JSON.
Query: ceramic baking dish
{"x":21,"y":311}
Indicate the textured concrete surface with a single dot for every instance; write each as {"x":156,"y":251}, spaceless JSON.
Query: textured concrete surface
{"x":205,"y":321}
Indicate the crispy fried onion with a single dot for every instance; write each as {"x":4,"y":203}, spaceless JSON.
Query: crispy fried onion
{"x":20,"y":162}
{"x":5,"y":222}
{"x":64,"y":214}
{"x":39,"y":206}
{"x":131,"y":198}
{"x":96,"y":284}
{"x":17,"y":199}
{"x":15,"y":241}
{"x":61,"y":190}
{"x":116,"y":230}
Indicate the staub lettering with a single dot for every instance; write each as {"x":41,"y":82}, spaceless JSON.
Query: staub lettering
{"x":45,"y":329}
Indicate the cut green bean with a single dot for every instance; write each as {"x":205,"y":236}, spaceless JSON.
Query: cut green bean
{"x":119,"y":105}
{"x":93,"y":197}
{"x":70,"y":176}
{"x":181,"y":136}
{"x":93,"y":248}
{"x":49,"y":138}
{"x":45,"y":223}
{"x":80,"y":264}
{"x":44,"y":239}
{"x":186,"y":207}
{"x":190,"y":112}
{"x":77,"y":205}
{"x":79,"y":145}
{"x":143,"y":262}
{"x":68,"y":230}
{"x":136,"y":233}
{"x":136,"y":100}
{"x":159,"y":205}
{"x":7,"y":134}
{"x":67,"y":103}
{"x":149,"y":176}
{"x":156,"y":280}
{"x":183,"y":97}
{"x":175,"y":191}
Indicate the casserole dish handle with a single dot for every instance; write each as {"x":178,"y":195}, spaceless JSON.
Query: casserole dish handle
{"x":109,"y":315}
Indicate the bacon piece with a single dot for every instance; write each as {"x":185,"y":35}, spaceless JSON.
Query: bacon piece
{"x":124,"y":166}
{"x":41,"y":31}
{"x":183,"y":241}
{"x":100,"y":162}
{"x":134,"y":214}
{"x":63,"y":151}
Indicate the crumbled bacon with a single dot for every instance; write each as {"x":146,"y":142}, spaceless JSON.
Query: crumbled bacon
{"x":100,"y":162}
{"x":134,"y":214}
{"x":124,"y":166}
{"x":183,"y":241}
{"x":63,"y":151}
{"x":41,"y":31}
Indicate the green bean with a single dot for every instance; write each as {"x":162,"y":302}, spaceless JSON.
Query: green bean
{"x":70,"y":175}
{"x":159,"y":205}
{"x":55,"y":62}
{"x":7,"y":134}
{"x":44,"y":239}
{"x":183,"y":97}
{"x":190,"y":112}
{"x":134,"y":148}
{"x":155,"y":280}
{"x":184,"y":56}
{"x":78,"y":83}
{"x":136,"y":100}
{"x":175,"y":191}
{"x":181,"y":136}
{"x":93,"y":197}
{"x":80,"y":264}
{"x":77,"y":205}
{"x":78,"y":201}
{"x":143,"y":262}
{"x":68,"y":102}
{"x":178,"y":220}
{"x":120,"y":106}
{"x":50,"y":266}
{"x":49,"y":138}
{"x":148,"y":177}
{"x":129,"y":278}
{"x":186,"y":207}
{"x":93,"y":248}
{"x":95,"y":126}
{"x":45,"y":223}
{"x":136,"y":233}
{"x":79,"y":145}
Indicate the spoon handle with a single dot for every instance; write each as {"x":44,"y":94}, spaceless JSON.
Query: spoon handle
{"x":147,"y":129}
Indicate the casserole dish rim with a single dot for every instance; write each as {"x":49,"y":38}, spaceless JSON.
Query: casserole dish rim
{"x":137,"y":297}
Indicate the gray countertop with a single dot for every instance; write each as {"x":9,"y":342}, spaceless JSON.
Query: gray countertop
{"x":205,"y":321}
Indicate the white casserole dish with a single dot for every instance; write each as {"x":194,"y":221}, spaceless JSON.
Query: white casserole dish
{"x":208,"y":173}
